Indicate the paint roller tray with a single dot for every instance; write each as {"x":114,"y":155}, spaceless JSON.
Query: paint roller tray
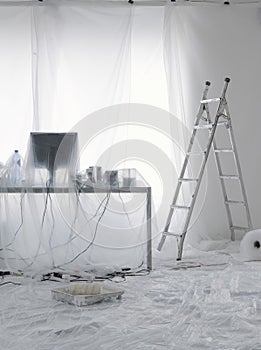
{"x":83,"y":294}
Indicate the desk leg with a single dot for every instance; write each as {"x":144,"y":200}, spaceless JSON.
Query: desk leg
{"x":148,"y":217}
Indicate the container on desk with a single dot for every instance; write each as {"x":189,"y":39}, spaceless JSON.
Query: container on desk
{"x":94,"y":174}
{"x":128,"y":177}
{"x":110,"y":178}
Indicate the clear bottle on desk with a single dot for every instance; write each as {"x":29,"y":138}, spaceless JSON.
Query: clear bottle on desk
{"x":15,"y":169}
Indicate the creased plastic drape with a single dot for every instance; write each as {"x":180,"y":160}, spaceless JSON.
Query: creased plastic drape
{"x":212,"y":42}
{"x":86,"y":61}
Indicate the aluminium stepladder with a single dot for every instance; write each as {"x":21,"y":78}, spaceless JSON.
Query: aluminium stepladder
{"x":203,"y":121}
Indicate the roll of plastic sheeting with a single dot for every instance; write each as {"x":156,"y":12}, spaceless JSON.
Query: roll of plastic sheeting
{"x":250,"y":246}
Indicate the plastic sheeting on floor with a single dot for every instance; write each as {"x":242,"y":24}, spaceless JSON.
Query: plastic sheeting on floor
{"x":215,"y":303}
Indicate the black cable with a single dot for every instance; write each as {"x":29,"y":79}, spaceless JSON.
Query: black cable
{"x":5,"y":273}
{"x":75,"y":218}
{"x":142,"y":272}
{"x":20,"y":225}
{"x":46,"y":203}
{"x":52,"y":229}
{"x":43,"y":218}
{"x":94,"y":235}
{"x":58,"y":277}
{"x":10,"y":282}
{"x":98,"y":209}
{"x":71,"y":238}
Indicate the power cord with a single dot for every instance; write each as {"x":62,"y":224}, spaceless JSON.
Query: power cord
{"x":112,"y":276}
{"x":10,"y":282}
{"x":94,"y":235}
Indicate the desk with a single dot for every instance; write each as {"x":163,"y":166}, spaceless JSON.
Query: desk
{"x":97,"y":189}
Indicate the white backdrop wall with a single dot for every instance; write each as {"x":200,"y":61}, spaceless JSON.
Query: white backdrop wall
{"x":61,"y":61}
{"x":215,"y":42}
{"x":83,"y":57}
{"x":16,"y":84}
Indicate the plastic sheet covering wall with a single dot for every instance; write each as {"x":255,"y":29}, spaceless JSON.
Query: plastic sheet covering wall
{"x":76,"y":58}
{"x":64,"y":61}
{"x":16,"y":83}
{"x":215,"y":41}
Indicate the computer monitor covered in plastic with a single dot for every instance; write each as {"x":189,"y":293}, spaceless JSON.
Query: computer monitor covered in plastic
{"x":53,"y":152}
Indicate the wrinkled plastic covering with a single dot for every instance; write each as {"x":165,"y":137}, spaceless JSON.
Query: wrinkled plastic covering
{"x":48,"y":225}
{"x":212,"y":304}
{"x":71,"y":221}
{"x":41,"y":231}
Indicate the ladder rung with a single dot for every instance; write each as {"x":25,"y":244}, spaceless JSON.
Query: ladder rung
{"x":179,"y":207}
{"x":210,"y":100}
{"x":196,"y":153}
{"x":219,"y":150}
{"x":187,"y":179}
{"x":239,"y":228}
{"x":232,"y":177}
{"x":222,"y":123}
{"x":234,"y":202}
{"x":204,"y":126}
{"x":209,"y":126}
{"x":171,"y":234}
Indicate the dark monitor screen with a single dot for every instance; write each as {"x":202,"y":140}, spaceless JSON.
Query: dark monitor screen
{"x":53,"y":150}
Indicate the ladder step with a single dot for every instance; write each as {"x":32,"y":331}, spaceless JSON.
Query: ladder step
{"x":179,"y":207}
{"x":232,"y":177}
{"x":219,"y":150}
{"x":200,"y":153}
{"x":234,"y":202}
{"x":204,"y":126}
{"x":240,"y":228}
{"x":208,"y":126}
{"x":187,"y":179}
{"x":211,"y":100}
{"x":171,"y":234}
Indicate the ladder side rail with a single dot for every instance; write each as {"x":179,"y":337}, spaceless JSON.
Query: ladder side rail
{"x":233,"y":143}
{"x":202,"y":168}
{"x":192,"y":139}
{"x":224,"y":192}
{"x":222,"y":181}
{"x":227,"y":80}
{"x":184,"y":167}
{"x":168,"y":221}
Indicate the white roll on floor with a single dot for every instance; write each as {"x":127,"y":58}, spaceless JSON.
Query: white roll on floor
{"x":250,"y":246}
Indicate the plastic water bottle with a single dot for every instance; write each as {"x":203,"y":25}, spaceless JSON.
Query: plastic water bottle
{"x":15,"y":169}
